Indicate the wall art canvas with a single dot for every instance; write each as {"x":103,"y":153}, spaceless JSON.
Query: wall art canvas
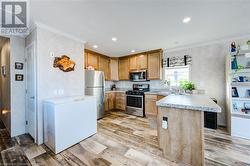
{"x":64,"y":63}
{"x":18,"y":65}
{"x":3,"y":71}
{"x":19,"y":77}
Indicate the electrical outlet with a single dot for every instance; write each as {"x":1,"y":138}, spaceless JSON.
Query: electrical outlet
{"x":164,"y":124}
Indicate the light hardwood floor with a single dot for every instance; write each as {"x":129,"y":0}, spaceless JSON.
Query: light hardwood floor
{"x":121,"y":140}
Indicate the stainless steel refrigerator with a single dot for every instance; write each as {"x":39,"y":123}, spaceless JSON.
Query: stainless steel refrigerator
{"x":95,"y":86}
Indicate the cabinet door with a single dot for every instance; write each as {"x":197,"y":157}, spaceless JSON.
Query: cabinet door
{"x":104,"y":66}
{"x":154,"y":66}
{"x":132,"y":63}
{"x":106,"y":102}
{"x":114,"y":69}
{"x":92,"y":60}
{"x":85,"y":60}
{"x":123,"y":69}
{"x":150,"y":105}
{"x":142,"y":61}
{"x":111,"y":101}
{"x":120,"y":100}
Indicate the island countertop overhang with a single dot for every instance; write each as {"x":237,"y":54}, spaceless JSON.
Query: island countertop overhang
{"x":189,"y":102}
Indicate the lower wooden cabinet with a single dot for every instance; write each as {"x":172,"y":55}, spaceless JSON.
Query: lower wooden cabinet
{"x":150,"y":104}
{"x":115,"y":100}
{"x":120,"y":100}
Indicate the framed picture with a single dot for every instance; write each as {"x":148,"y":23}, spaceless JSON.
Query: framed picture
{"x":234,"y":92}
{"x":3,"y":71}
{"x":19,"y":77}
{"x":18,"y":66}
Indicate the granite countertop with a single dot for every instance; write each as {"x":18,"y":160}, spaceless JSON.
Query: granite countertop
{"x":190,"y":102}
{"x":158,"y":92}
{"x":117,"y":90}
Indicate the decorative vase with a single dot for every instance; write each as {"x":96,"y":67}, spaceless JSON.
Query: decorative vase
{"x":234,"y":64}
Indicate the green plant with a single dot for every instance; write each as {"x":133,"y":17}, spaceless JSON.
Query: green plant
{"x":187,"y":85}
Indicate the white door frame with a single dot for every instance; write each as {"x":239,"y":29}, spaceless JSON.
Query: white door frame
{"x":33,"y":44}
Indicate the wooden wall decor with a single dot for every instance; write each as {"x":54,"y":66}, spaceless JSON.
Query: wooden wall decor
{"x":64,"y":63}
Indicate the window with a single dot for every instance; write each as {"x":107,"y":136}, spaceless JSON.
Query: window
{"x":173,"y":75}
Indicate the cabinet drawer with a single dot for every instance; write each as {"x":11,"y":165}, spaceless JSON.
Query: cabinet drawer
{"x":151,"y":97}
{"x":120,"y":94}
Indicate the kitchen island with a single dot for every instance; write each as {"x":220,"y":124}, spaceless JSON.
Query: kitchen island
{"x":180,"y":125}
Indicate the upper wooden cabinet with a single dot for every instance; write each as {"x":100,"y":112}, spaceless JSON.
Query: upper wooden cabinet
{"x":104,"y":66}
{"x":92,"y":60}
{"x":155,"y":65}
{"x":138,"y":62}
{"x":142,"y":61}
{"x":132,"y":63}
{"x":118,"y":68}
{"x":114,"y":69}
{"x":124,"y":68}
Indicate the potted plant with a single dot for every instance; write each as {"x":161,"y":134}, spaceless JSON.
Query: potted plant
{"x":187,"y":86}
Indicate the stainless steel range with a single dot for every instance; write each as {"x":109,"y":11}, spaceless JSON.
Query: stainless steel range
{"x":135,"y":100}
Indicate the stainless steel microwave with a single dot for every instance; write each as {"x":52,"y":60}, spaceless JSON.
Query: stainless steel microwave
{"x":138,"y":76}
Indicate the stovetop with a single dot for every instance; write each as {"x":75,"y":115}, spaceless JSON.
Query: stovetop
{"x":138,"y":89}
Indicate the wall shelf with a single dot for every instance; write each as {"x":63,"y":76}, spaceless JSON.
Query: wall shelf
{"x":241,"y":114}
{"x":240,"y":83}
{"x":238,"y":122}
{"x":241,"y":98}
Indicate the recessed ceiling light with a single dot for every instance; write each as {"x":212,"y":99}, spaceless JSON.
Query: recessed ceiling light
{"x":186,"y":20}
{"x":114,"y":39}
{"x":95,"y":46}
{"x":132,"y":51}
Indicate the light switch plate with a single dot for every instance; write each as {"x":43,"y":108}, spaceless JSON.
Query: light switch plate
{"x":164,"y":124}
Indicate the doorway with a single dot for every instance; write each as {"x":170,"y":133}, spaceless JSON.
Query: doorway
{"x":5,"y":92}
{"x":31,"y":94}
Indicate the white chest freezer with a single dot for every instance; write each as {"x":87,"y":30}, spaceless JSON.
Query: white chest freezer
{"x":69,"y":120}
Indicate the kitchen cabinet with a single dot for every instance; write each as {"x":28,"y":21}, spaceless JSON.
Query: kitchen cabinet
{"x":150,"y":104}
{"x":115,"y":100}
{"x":92,"y":60}
{"x":155,"y":65}
{"x":109,"y":101}
{"x":132,"y":63}
{"x":124,"y":68}
{"x":114,"y":69}
{"x":142,"y":61}
{"x":106,"y":102}
{"x":138,"y":62}
{"x":104,"y":66}
{"x":120,"y":100}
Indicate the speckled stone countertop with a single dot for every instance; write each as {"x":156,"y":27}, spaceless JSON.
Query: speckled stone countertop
{"x":117,"y":90}
{"x":158,"y":92}
{"x":190,"y":102}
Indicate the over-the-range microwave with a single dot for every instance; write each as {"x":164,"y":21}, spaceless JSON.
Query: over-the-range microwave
{"x":137,"y":76}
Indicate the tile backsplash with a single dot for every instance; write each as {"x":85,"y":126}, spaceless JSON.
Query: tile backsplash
{"x":154,"y":84}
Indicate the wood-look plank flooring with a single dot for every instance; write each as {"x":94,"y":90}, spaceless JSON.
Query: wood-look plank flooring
{"x":121,"y":140}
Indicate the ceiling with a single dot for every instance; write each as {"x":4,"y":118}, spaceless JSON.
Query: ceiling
{"x":142,"y":25}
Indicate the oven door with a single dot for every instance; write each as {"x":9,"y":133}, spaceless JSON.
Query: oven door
{"x":135,"y":105}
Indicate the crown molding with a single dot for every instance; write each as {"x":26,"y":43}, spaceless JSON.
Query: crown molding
{"x":51,"y":29}
{"x":224,"y":40}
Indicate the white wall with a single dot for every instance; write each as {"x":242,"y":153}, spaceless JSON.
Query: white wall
{"x":17,"y":54}
{"x":53,"y":82}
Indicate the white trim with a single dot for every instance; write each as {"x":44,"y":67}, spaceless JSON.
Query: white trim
{"x":194,"y":45}
{"x":35,"y":87}
{"x":54,"y":30}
